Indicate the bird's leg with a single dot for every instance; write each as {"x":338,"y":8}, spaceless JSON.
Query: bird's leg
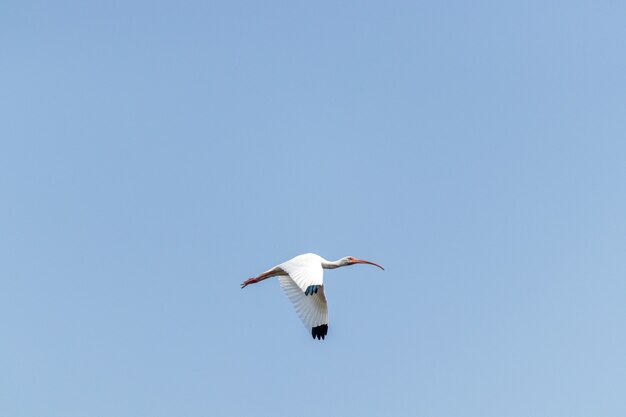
{"x":271,"y":273}
{"x":249,"y":281}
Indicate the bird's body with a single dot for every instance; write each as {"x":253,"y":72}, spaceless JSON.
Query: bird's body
{"x":302,"y":279}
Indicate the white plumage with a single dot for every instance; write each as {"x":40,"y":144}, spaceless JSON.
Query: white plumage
{"x":302,"y":279}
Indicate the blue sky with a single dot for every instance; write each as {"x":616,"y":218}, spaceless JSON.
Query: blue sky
{"x":156,"y":154}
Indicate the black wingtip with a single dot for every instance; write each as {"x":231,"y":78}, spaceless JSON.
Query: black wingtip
{"x":319,"y":332}
{"x":312,"y":289}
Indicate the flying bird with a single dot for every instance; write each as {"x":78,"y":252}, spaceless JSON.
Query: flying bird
{"x":302,"y":279}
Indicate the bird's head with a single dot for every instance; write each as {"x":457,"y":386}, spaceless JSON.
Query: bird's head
{"x":351,"y":260}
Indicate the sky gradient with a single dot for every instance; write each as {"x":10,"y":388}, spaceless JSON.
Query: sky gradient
{"x":156,"y":154}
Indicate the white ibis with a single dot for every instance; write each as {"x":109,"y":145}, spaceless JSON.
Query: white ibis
{"x":302,"y":279}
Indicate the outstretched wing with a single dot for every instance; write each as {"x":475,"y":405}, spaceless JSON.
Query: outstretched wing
{"x":305,"y":270}
{"x":312,"y":309}
{"x":304,"y":285}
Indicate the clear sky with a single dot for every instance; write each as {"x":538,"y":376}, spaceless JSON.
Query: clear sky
{"x":156,"y":154}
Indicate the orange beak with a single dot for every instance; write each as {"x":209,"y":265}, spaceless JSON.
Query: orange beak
{"x":361,"y":261}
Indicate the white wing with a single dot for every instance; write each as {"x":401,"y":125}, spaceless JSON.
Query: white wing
{"x":305,"y":270}
{"x":312,"y":309}
{"x":304,"y":285}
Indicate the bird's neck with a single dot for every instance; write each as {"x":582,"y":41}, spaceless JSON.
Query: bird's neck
{"x":331,"y":264}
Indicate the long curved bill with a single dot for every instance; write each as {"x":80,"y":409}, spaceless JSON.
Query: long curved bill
{"x":361,"y":261}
